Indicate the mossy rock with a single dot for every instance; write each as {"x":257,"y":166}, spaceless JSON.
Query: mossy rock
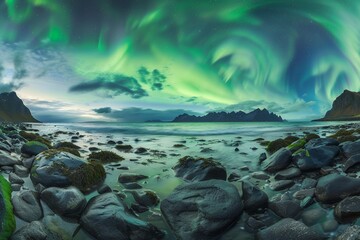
{"x":7,"y":219}
{"x":123,"y":147}
{"x":67,"y":145}
{"x":33,"y":148}
{"x":70,"y":150}
{"x":291,"y":139}
{"x":35,"y":137}
{"x":311,"y":136}
{"x":295,"y":146}
{"x":344,"y":135}
{"x":347,"y":138}
{"x":105,"y":157}
{"x":276,"y":145}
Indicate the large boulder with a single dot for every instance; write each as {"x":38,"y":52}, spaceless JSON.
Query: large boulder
{"x":277,"y":161}
{"x":351,"y":233}
{"x":67,"y":202}
{"x":321,"y":142}
{"x":34,"y":230}
{"x":32,"y":148}
{"x":106,"y":217}
{"x":289,"y":229}
{"x":315,"y":158}
{"x":253,"y":197}
{"x":199,"y":169}
{"x":335,"y":187}
{"x":352,"y":162}
{"x":54,"y":168}
{"x":27,"y":205}
{"x":7,"y":219}
{"x":202,"y":210}
{"x":348,"y":209}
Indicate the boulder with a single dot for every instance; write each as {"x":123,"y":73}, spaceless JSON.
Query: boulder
{"x":106,"y":217}
{"x":351,"y":233}
{"x":202,"y":210}
{"x":253,"y":197}
{"x":289,"y":229}
{"x":7,"y":160}
{"x":315,"y":158}
{"x":335,"y":187}
{"x":130,"y":177}
{"x":67,"y":202}
{"x":199,"y":169}
{"x":146,"y":198}
{"x":285,"y":208}
{"x":351,"y":148}
{"x":27,"y":205}
{"x":32,"y":148}
{"x":277,"y":161}
{"x":54,"y":168}
{"x":13,"y":178}
{"x":351,"y":162}
{"x":7,"y":219}
{"x":34,"y":230}
{"x":321,"y":142}
{"x":348,"y":209}
{"x":281,"y":185}
{"x":289,"y":173}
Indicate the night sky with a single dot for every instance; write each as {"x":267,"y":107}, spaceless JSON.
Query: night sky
{"x":135,"y":60}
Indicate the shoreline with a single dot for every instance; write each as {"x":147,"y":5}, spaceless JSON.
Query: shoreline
{"x":155,"y":156}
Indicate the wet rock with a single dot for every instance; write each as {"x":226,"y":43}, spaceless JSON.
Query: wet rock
{"x":35,"y":230}
{"x":313,"y":216}
{"x":131,"y":177}
{"x":321,"y":142}
{"x":7,"y":160}
{"x":140,"y":150}
{"x":289,"y":229}
{"x":146,"y":198}
{"x":330,"y":225}
{"x":202,"y":210}
{"x":233,"y":177}
{"x":351,"y":233}
{"x":28,"y":162}
{"x":306,"y":202}
{"x":104,"y":189}
{"x":348,"y":209}
{"x":308,"y":183}
{"x":335,"y":187}
{"x":277,"y":161}
{"x":139,"y":208}
{"x":351,"y":148}
{"x":106,"y":217}
{"x":303,"y":193}
{"x":253,"y":197}
{"x":281,"y":185}
{"x":260,"y":175}
{"x":15,"y":187}
{"x":132,"y":185}
{"x":351,"y":162}
{"x":315,"y":158}
{"x":21,"y":170}
{"x":13,"y":178}
{"x":262,"y":157}
{"x":27,"y":205}
{"x":285,"y":208}
{"x":289,"y":173}
{"x":199,"y":169}
{"x":67,"y":202}
{"x":33,"y":148}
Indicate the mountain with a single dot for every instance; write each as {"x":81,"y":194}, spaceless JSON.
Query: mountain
{"x":346,"y":107}
{"x":12,"y":109}
{"x":254,"y":116}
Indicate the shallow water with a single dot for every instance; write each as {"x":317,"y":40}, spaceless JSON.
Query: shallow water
{"x":220,"y":138}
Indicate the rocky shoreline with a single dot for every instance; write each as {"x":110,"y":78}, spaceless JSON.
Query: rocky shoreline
{"x":304,"y":185}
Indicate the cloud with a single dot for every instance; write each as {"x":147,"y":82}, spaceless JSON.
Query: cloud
{"x":143,"y":115}
{"x":154,"y":78}
{"x":113,"y":85}
{"x":103,"y":110}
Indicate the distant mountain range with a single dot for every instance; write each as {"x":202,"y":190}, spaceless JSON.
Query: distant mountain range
{"x":346,"y":107}
{"x":12,"y":109}
{"x":254,"y":116}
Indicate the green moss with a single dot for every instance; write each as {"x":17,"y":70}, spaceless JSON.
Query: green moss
{"x":7,"y":216}
{"x":69,"y":150}
{"x":67,"y":145}
{"x":36,"y":143}
{"x":295,"y":146}
{"x":344,"y":135}
{"x":291,"y":139}
{"x":87,"y":176}
{"x":35,"y":137}
{"x":276,"y":145}
{"x":105,"y":157}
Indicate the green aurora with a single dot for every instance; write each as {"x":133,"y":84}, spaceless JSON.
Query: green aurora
{"x":293,"y":57}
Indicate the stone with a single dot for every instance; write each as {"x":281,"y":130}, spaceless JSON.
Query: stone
{"x":313,"y":216}
{"x":106,"y":217}
{"x":132,"y":185}
{"x":260,"y":175}
{"x":308,"y":183}
{"x":233,"y":177}
{"x":321,"y":142}
{"x":202,"y":210}
{"x":253,"y":197}
{"x":351,"y":162}
{"x":33,"y":148}
{"x":351,"y":233}
{"x":67,"y":202}
{"x":315,"y":158}
{"x":104,"y":189}
{"x":199,"y":169}
{"x":13,"y":178}
{"x":21,"y":170}
{"x":130,"y":177}
{"x":146,"y":198}
{"x":335,"y":187}
{"x":34,"y":230}
{"x":27,"y":205}
{"x":289,"y":173}
{"x":303,"y":193}
{"x":289,"y":229}
{"x":285,"y":208}
{"x":348,"y":209}
{"x":277,"y":161}
{"x":351,"y":148}
{"x":7,"y":160}
{"x":281,"y":185}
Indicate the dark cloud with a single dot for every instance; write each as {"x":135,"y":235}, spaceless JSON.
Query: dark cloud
{"x":113,"y":84}
{"x":143,"y":115}
{"x":103,"y":110}
{"x":19,"y":67}
{"x":154,"y":78}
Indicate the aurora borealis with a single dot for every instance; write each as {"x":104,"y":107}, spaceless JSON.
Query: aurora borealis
{"x":293,"y":57}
